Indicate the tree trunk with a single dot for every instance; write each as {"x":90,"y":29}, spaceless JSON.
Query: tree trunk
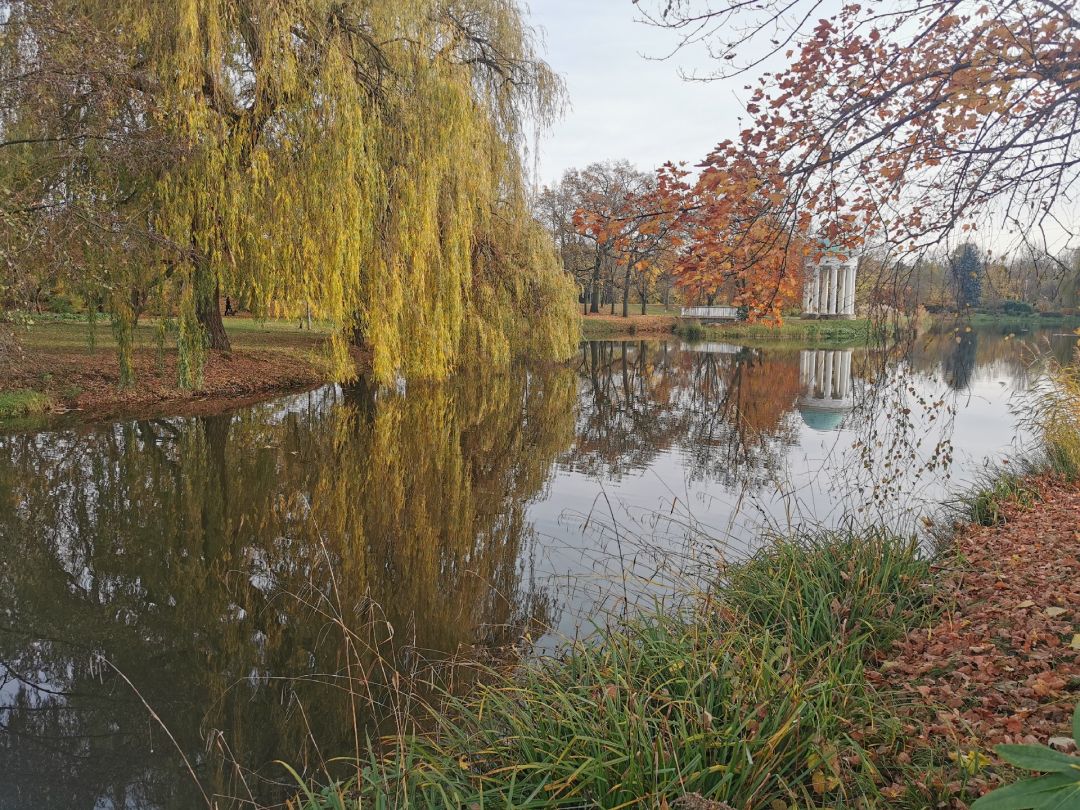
{"x":644,"y":304}
{"x":594,"y":303}
{"x":208,"y":311}
{"x":358,"y":334}
{"x":626,"y":293}
{"x":215,"y":506}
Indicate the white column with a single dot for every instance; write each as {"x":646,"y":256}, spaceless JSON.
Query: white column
{"x":832,"y":290}
{"x":825,"y":289}
{"x":815,"y":304}
{"x":849,"y":307}
{"x":845,"y":373}
{"x":841,"y":288}
{"x":829,"y":386}
{"x":819,"y":373}
{"x":807,"y":290}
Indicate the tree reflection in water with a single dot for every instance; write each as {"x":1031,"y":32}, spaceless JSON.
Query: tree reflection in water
{"x":207,"y":559}
{"x":214,"y":560}
{"x":728,"y":409}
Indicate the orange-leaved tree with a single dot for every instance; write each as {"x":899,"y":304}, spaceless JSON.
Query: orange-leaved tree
{"x":628,"y":216}
{"x":739,"y":247}
{"x":899,"y":124}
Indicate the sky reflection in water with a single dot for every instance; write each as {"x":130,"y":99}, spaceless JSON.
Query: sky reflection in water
{"x":208,"y":558}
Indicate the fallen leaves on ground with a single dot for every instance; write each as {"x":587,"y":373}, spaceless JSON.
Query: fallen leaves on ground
{"x":1001,"y":664}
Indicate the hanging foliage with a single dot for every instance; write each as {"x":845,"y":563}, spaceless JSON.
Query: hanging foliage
{"x":357,"y":159}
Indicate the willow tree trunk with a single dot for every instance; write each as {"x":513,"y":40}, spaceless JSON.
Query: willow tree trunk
{"x":626,"y":293}
{"x":208,"y":311}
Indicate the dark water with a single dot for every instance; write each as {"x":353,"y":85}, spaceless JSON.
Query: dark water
{"x":209,"y":568}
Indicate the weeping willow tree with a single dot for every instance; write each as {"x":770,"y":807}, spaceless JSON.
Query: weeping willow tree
{"x":354,"y":158}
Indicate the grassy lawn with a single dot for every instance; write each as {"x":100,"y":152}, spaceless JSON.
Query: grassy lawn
{"x":66,"y":363}
{"x":1033,"y":321}
{"x":795,"y":330}
{"x":66,"y":333}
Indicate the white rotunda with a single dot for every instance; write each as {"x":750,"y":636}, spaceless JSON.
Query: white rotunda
{"x":829,"y":287}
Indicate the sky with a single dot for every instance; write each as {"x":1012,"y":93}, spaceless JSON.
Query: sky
{"x":622,"y":104}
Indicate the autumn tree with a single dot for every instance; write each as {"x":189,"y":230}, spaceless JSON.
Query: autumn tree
{"x":605,"y":195}
{"x":355,"y":158}
{"x":554,"y":207}
{"x":628,"y":216}
{"x":738,"y":246}
{"x":894,"y":126}
{"x":648,"y":243}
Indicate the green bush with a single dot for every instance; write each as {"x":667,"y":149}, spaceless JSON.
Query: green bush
{"x":1017,"y":308}
{"x":692,"y":331}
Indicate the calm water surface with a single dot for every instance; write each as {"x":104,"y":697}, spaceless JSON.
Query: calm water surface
{"x":203,"y":567}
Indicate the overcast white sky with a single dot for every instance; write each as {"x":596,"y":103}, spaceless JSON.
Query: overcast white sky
{"x":623,"y":105}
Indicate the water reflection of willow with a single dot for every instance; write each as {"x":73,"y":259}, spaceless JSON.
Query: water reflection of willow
{"x":208,"y":559}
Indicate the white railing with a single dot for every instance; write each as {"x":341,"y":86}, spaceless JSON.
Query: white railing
{"x":710,"y":312}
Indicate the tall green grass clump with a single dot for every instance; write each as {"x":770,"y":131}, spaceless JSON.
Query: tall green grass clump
{"x":22,"y":402}
{"x":692,"y":331}
{"x":987,"y":503}
{"x":1058,"y":415}
{"x":752,"y":694}
{"x":1051,"y":412}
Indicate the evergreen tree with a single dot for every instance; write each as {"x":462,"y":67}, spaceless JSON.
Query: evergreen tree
{"x":967,"y":273}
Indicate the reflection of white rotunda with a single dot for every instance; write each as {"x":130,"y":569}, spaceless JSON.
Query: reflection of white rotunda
{"x":829,"y":288}
{"x":825,"y":377}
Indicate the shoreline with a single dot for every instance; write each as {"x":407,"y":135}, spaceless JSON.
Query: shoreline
{"x":831,"y":669}
{"x":61,"y":370}
{"x":58,"y":372}
{"x":840,"y":668}
{"x":807,"y":333}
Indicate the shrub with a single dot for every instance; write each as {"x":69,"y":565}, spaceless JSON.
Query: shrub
{"x":1017,"y":308}
{"x":692,"y":331}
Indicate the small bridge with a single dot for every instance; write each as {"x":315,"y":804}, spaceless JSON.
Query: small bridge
{"x":710,"y":313}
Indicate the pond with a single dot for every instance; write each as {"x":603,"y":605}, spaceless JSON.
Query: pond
{"x":223,"y":576}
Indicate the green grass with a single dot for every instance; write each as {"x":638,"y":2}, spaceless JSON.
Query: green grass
{"x":68,"y":332}
{"x":596,"y":329}
{"x":1034,"y":320}
{"x":1053,"y":413}
{"x":795,"y":330}
{"x":23,"y":402}
{"x":987,"y":503}
{"x":752,"y":694}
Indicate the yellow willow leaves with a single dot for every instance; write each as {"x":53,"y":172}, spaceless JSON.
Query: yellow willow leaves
{"x":357,"y":160}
